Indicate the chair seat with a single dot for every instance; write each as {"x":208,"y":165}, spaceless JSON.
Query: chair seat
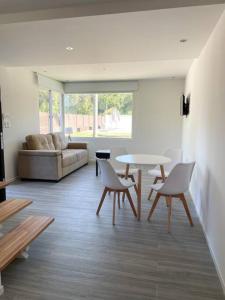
{"x":157,"y":173}
{"x":157,"y":186}
{"x":123,"y":171}
{"x":126,"y":183}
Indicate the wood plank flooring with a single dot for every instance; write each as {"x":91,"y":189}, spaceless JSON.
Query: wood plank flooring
{"x":82,"y":256}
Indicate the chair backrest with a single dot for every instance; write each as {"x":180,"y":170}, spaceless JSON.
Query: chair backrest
{"x":179,"y":179}
{"x":175,"y":154}
{"x":116,"y":151}
{"x":108,"y":175}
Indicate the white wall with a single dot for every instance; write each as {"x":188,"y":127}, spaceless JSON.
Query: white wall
{"x":204,"y":141}
{"x":100,"y":86}
{"x":20,"y":101}
{"x":49,"y":83}
{"x":157,"y":124}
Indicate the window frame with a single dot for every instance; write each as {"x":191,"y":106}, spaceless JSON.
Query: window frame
{"x":95,"y":117}
{"x":50,"y":106}
{"x":95,"y":114}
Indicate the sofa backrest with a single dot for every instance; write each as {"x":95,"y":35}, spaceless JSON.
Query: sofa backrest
{"x":25,"y":146}
{"x":40,"y":142}
{"x":59,"y":141}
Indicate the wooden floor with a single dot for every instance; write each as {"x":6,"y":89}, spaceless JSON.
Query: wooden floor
{"x":81,"y":256}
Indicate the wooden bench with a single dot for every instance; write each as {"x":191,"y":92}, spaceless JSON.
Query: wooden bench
{"x":10,"y":207}
{"x":18,"y":239}
{"x":16,"y":242}
{"x":3,"y":184}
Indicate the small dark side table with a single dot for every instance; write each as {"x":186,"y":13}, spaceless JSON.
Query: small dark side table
{"x":102,"y":154}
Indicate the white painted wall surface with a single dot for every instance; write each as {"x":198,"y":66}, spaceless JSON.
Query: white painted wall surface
{"x":157,"y":124}
{"x":49,"y":83}
{"x":20,"y":101}
{"x":100,"y":86}
{"x":204,"y":141}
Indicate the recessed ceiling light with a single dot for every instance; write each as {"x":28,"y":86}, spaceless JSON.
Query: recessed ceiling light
{"x":69,"y":48}
{"x":183,"y":40}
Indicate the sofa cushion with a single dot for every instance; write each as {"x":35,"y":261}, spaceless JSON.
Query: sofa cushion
{"x":81,"y":154}
{"x":50,"y":142}
{"x":40,"y":142}
{"x":71,"y":156}
{"x":59,"y":141}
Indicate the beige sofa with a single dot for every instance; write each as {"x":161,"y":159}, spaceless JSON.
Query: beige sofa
{"x":49,"y":157}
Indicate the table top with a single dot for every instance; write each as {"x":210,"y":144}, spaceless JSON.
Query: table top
{"x":103,"y":151}
{"x":143,"y":159}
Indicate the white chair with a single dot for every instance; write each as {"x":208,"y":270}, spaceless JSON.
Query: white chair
{"x":119,"y":167}
{"x":176,"y":184}
{"x":114,"y":184}
{"x":176,"y":157}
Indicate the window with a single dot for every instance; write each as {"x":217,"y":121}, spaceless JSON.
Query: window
{"x":50,"y":111}
{"x":86,"y":115}
{"x":79,"y":117}
{"x":115,"y":115}
{"x":56,"y":111}
{"x":99,"y":115}
{"x":44,"y":111}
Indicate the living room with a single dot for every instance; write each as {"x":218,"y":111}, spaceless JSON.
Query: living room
{"x":112,"y":76}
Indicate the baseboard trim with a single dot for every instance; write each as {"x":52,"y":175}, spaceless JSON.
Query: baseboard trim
{"x":91,"y":160}
{"x":210,"y":249}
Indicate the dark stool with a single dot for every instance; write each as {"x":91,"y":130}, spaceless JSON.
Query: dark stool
{"x":101,"y":154}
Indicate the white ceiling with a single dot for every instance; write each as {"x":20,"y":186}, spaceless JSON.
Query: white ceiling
{"x":117,"y":46}
{"x":19,"y":6}
{"x":117,"y":71}
{"x":15,"y":6}
{"x":14,"y":11}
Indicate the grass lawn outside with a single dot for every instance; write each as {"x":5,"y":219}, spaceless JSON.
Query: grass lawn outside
{"x":103,"y":134}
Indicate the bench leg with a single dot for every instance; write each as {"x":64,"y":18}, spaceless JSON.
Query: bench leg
{"x":24,"y":254}
{"x":1,"y":286}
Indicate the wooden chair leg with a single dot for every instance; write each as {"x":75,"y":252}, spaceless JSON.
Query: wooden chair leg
{"x":119,"y":200}
{"x":101,"y":201}
{"x":169,"y":203}
{"x":151,"y":191}
{"x":153,"y":206}
{"x":114,"y":208}
{"x":135,"y":186}
{"x":131,"y":202}
{"x":123,"y":197}
{"x":183,"y":199}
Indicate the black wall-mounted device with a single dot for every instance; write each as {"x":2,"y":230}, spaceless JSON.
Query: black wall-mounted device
{"x":185,"y":105}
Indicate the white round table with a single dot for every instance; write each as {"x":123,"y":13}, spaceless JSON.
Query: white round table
{"x":143,"y":159}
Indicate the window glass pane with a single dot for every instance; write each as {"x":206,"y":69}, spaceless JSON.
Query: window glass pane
{"x":44,"y":111}
{"x":115,"y":115}
{"x":56,"y":111}
{"x":79,"y":117}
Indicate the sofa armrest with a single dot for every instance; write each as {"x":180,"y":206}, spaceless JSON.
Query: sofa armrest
{"x":77,"y":145}
{"x":47,"y":153}
{"x":40,"y":164}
